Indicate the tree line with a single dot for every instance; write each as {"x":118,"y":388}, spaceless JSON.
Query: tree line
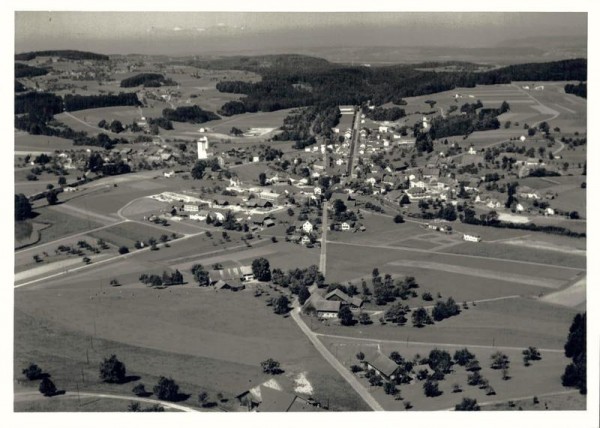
{"x":66,"y":54}
{"x":284,"y":83}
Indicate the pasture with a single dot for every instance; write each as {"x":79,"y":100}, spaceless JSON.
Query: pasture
{"x":541,"y":377}
{"x":515,"y":322}
{"x":213,"y":350}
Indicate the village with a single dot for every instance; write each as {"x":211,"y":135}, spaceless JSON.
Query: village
{"x":344,"y":270}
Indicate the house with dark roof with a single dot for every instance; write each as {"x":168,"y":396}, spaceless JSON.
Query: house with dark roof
{"x":229,"y":285}
{"x":340,"y":296}
{"x":383,"y":366}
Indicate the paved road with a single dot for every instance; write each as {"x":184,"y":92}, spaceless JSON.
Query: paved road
{"x":354,"y":142}
{"x":324,"y":228}
{"x":453,"y":345}
{"x":34,"y":395}
{"x":345,"y":373}
{"x":101,"y":262}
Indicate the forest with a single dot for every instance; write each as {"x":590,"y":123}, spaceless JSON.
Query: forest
{"x":336,"y":84}
{"x":149,"y":80}
{"x":83,"y":102}
{"x":66,"y":54}
{"x":24,"y":70}
{"x":193,"y":114}
{"x":580,"y":90}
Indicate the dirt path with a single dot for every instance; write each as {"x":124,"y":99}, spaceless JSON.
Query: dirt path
{"x":328,"y":356}
{"x":36,"y":396}
{"x":448,"y":345}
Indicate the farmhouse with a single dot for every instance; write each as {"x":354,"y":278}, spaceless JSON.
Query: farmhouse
{"x":338,"y":295}
{"x":345,"y":226}
{"x":229,"y":285}
{"x":325,"y":308}
{"x":241,"y":273}
{"x":383,"y":366}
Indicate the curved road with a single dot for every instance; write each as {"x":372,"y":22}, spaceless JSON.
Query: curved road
{"x":343,"y":371}
{"x":34,"y":395}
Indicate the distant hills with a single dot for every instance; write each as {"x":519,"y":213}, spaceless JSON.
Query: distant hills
{"x":65,"y":54}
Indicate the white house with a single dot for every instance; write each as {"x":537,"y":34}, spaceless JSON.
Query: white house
{"x":519,"y":208}
{"x":218,"y":216}
{"x":384,"y":129}
{"x":472,"y":151}
{"x":307,"y":226}
{"x":305,"y":240}
{"x":345,"y":226}
{"x":169,"y":174}
{"x":318,"y":190}
{"x":471,"y":238}
{"x":549,"y":211}
{"x":190,"y":207}
{"x":199,"y":216}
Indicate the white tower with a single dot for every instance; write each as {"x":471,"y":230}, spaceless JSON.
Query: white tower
{"x":203,"y":148}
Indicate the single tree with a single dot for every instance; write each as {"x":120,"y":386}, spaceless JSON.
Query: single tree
{"x":303,"y":295}
{"x":261,"y":269}
{"x":431,"y":388}
{"x":33,"y":372}
{"x":166,"y":389}
{"x":47,"y":387}
{"x":139,"y":390}
{"x":52,"y":197}
{"x":345,"y":316}
{"x":467,"y":404}
{"x":271,"y":366}
{"x":281,"y":305}
{"x":112,"y":370}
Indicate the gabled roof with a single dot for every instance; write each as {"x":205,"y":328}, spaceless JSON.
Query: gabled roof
{"x":382,"y":363}
{"x":274,"y":400}
{"x":340,"y":294}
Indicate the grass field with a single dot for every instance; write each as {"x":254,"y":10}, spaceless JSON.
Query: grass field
{"x":128,"y":233}
{"x":516,"y":322}
{"x":572,"y":401}
{"x":211,"y":351}
{"x":61,"y":224}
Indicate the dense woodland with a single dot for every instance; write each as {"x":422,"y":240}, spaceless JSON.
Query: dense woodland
{"x":294,"y":80}
{"x":66,"y":54}
{"x":24,"y":70}
{"x":380,"y":113}
{"x":149,"y":80}
{"x":580,"y":90}
{"x":83,"y":102}
{"x":193,"y":114}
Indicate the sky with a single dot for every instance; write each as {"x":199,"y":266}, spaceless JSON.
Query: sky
{"x":189,"y":33}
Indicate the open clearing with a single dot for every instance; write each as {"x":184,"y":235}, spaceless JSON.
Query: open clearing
{"x":212,"y":350}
